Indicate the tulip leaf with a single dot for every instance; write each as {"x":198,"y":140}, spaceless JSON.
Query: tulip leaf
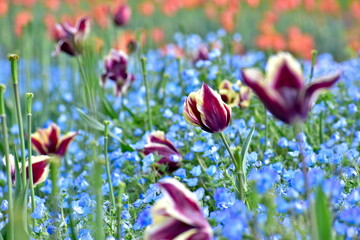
{"x":244,"y":150}
{"x":108,"y":109}
{"x":95,"y":124}
{"x":323,"y":216}
{"x":18,"y":182}
{"x":20,"y":214}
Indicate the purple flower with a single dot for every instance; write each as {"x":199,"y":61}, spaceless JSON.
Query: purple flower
{"x":202,"y":53}
{"x":206,"y":109}
{"x":116,"y":70}
{"x":177,"y":215}
{"x":170,"y":156}
{"x":70,"y":38}
{"x":283,"y":91}
{"x":122,"y":15}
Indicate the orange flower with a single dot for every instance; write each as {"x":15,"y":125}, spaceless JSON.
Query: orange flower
{"x":21,"y":20}
{"x":210,"y":11}
{"x":227,"y":20}
{"x":147,"y":8}
{"x":100,"y":15}
{"x":157,"y":34}
{"x":3,"y":7}
{"x":52,"y":4}
{"x":271,"y":41}
{"x":300,"y":43}
{"x":355,"y":9}
{"x":329,"y":6}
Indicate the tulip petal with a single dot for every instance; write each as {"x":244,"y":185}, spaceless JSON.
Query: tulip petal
{"x":12,"y":166}
{"x":40,"y":169}
{"x":272,"y":100}
{"x":318,"y":85}
{"x":64,"y":142}
{"x":159,"y":137}
{"x":38,"y":144}
{"x":53,"y":136}
{"x":168,"y":230}
{"x":191,"y":113}
{"x":215,"y":114}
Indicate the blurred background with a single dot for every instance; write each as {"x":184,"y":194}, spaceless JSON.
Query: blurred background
{"x":297,"y":26}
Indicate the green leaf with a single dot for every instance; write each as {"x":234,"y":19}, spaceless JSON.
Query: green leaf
{"x":20,"y":214}
{"x":95,"y":124}
{"x":244,"y":150}
{"x":108,"y":109}
{"x":323,"y":216}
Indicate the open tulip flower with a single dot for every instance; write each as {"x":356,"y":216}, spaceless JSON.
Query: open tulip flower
{"x":116,"y":70}
{"x":48,"y":141}
{"x":40,"y":168}
{"x":177,"y":215}
{"x":283,"y":91}
{"x":240,"y":97}
{"x":170,"y":156}
{"x":207,"y":110}
{"x":70,"y":38}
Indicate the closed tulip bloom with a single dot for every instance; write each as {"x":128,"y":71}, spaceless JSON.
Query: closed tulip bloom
{"x":122,"y":15}
{"x":283,"y":91}
{"x":202,"y":53}
{"x":235,"y":94}
{"x":207,"y":110}
{"x":70,"y":38}
{"x":116,"y":70}
{"x":177,"y":215}
{"x":48,"y":141}
{"x":40,"y":168}
{"x":170,"y":156}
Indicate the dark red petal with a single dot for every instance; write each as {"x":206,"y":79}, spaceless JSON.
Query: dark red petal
{"x":169,"y":231}
{"x":320,"y":84}
{"x":82,"y":24}
{"x":38,"y":169}
{"x":39,"y":146}
{"x":193,"y":114}
{"x":272,"y":103}
{"x":67,"y":47}
{"x":64,"y":143}
{"x":53,"y":138}
{"x":286,"y":77}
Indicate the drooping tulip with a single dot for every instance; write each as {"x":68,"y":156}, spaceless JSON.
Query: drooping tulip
{"x":235,"y":94}
{"x":70,"y":38}
{"x":283,"y":91}
{"x":116,"y":70}
{"x":170,"y":156}
{"x":207,"y":110}
{"x":40,"y":168}
{"x":177,"y":215}
{"x":122,"y":15}
{"x":48,"y":141}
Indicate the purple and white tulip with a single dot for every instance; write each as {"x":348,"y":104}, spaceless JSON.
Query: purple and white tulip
{"x":283,"y":91}
{"x":170,"y":156}
{"x":177,"y":215}
{"x":207,"y":110}
{"x":116,"y":70}
{"x":70,"y":38}
{"x":40,"y":168}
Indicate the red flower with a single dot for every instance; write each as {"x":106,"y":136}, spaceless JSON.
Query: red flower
{"x":122,"y":15}
{"x":48,"y":141}
{"x":284,"y":92}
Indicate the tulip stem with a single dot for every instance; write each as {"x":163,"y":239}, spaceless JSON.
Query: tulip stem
{"x":266,"y":129}
{"x":106,"y":138}
{"x":54,"y":169}
{"x":144,"y":73}
{"x":119,"y":207}
{"x":13,"y":58}
{"x":8,"y":165}
{"x":29,"y":97}
{"x":313,"y":61}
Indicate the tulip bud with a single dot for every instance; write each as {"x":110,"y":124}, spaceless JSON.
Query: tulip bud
{"x":170,"y":156}
{"x":122,"y":15}
{"x":206,"y":109}
{"x":177,"y":215}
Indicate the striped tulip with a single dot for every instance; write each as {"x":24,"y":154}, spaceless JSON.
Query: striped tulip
{"x":40,"y":168}
{"x":240,"y":97}
{"x":207,"y":110}
{"x":48,"y":141}
{"x":283,"y":91}
{"x":70,"y":38}
{"x":177,"y":215}
{"x":116,"y":70}
{"x":170,"y":156}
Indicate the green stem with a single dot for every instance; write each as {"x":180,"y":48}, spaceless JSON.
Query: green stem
{"x":239,"y":181}
{"x":144,"y":73}
{"x":29,"y":97}
{"x":119,"y":207}
{"x":13,"y":58}
{"x":8,"y":168}
{"x":266,"y":129}
{"x":99,"y":228}
{"x":313,"y":61}
{"x":106,"y":138}
{"x":54,"y":169}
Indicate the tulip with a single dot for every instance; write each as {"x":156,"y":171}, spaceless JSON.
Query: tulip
{"x":283,"y":91}
{"x":48,"y":141}
{"x":70,"y":38}
{"x":234,"y":98}
{"x":177,"y":215}
{"x":206,"y":109}
{"x":202,"y":53}
{"x":40,"y":168}
{"x":116,"y":70}
{"x":170,"y":156}
{"x":122,"y":15}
